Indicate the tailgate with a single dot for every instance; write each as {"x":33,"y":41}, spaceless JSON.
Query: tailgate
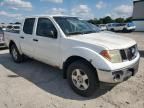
{"x":1,"y":37}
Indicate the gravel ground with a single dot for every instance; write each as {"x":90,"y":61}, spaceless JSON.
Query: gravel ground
{"x":36,"y":85}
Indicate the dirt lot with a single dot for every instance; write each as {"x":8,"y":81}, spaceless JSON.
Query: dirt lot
{"x":35,"y":85}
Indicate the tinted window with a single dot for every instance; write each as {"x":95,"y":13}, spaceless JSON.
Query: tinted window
{"x":109,"y":25}
{"x":45,"y":27}
{"x":9,"y":27}
{"x":113,"y":24}
{"x":1,"y":31}
{"x":123,"y":24}
{"x":117,"y":25}
{"x":28,"y":25}
{"x":130,"y":24}
{"x":16,"y":27}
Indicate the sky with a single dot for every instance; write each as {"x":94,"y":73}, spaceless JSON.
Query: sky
{"x":15,"y":10}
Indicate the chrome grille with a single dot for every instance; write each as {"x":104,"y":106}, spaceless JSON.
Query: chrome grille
{"x":129,"y":54}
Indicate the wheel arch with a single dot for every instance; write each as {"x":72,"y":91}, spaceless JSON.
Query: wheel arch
{"x":112,"y":29}
{"x":11,"y":43}
{"x":72,"y":59}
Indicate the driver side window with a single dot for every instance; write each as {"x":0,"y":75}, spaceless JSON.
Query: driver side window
{"x":46,"y":28}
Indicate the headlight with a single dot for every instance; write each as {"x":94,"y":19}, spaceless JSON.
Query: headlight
{"x":113,"y":56}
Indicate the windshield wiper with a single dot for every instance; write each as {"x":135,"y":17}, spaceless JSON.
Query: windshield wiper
{"x":75,"y":33}
{"x":89,"y":32}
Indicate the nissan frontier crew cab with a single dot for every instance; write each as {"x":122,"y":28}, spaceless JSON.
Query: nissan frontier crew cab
{"x":86,"y":56}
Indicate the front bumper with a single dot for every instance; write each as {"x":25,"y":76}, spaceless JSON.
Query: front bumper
{"x":131,"y":28}
{"x":117,"y":76}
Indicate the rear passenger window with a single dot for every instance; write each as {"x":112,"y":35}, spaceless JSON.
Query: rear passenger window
{"x":28,"y":25}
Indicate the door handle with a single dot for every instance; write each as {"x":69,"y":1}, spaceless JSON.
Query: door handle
{"x":22,"y":37}
{"x":35,"y":40}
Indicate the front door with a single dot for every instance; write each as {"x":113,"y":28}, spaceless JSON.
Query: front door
{"x":46,"y":42}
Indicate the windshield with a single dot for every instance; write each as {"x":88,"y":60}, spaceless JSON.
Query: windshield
{"x":16,"y":27}
{"x":130,"y":24}
{"x":73,"y":26}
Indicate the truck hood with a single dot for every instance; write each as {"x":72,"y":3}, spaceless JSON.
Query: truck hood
{"x":107,"y":40}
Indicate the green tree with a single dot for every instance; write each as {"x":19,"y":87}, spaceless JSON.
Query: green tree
{"x":100,"y":21}
{"x":129,"y":19}
{"x":107,"y":19}
{"x":119,"y":20}
{"x":93,"y":21}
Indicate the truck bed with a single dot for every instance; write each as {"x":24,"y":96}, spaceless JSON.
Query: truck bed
{"x":11,"y":36}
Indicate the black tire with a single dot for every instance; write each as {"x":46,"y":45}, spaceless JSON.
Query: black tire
{"x":92,"y":77}
{"x":112,"y":30}
{"x":130,"y":31}
{"x":19,"y":57}
{"x":125,"y":30}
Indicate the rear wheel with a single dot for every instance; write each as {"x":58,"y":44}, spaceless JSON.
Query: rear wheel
{"x":82,"y":78}
{"x":17,"y":57}
{"x":112,"y":30}
{"x":125,"y":30}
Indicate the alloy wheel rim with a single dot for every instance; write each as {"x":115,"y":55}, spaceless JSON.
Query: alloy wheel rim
{"x":80,"y":79}
{"x":14,"y":53}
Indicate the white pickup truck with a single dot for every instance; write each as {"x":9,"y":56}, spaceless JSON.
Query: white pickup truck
{"x":86,"y":56}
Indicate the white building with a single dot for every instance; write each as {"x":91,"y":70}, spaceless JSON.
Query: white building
{"x":138,"y":15}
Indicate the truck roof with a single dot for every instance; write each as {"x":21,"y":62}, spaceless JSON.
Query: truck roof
{"x":49,"y":16}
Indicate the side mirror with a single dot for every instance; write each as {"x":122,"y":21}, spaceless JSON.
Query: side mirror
{"x":51,"y":33}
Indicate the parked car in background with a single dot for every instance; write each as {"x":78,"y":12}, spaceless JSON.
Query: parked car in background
{"x":87,"y":57}
{"x":9,"y":28}
{"x":4,"y":28}
{"x":16,"y":28}
{"x":110,"y":26}
{"x":130,"y":26}
{"x":2,"y":43}
{"x":124,"y":27}
{"x":102,"y":27}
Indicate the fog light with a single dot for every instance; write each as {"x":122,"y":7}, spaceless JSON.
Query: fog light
{"x":117,"y":77}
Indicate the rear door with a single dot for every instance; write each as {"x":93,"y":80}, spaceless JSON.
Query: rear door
{"x":26,"y":37}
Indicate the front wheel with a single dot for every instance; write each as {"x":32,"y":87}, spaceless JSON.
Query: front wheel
{"x":82,"y":78}
{"x":125,"y":30}
{"x":17,"y":57}
{"x":112,"y":30}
